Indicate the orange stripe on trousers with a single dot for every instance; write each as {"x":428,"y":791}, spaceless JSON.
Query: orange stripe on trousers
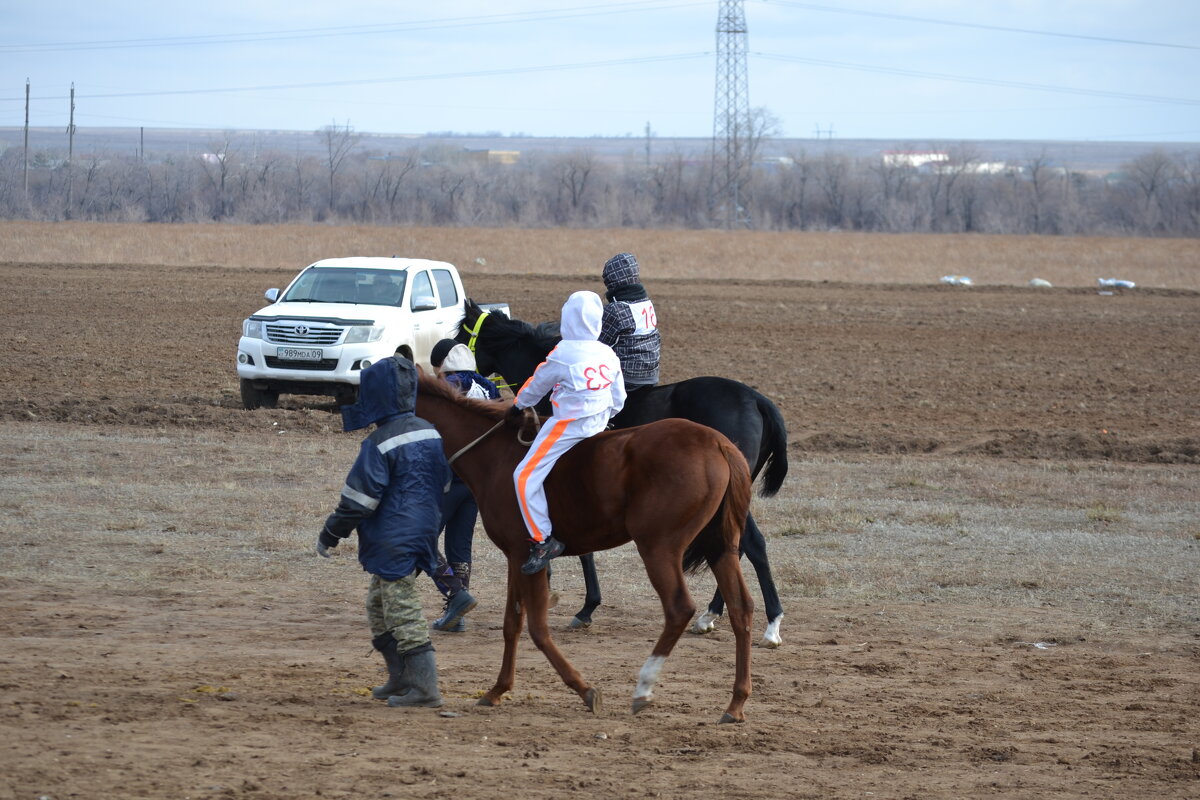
{"x":555,"y":434}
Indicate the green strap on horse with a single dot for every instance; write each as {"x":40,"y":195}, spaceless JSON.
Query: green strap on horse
{"x":474,"y":332}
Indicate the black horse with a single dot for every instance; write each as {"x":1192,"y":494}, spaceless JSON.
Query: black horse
{"x":513,"y":349}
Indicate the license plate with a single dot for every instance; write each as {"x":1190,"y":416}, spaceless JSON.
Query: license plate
{"x":299,"y":353}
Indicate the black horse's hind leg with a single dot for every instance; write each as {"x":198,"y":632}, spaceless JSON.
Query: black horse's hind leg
{"x":591,"y":598}
{"x":754,"y":547}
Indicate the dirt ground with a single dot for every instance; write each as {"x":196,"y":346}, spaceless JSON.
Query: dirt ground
{"x":178,"y":648}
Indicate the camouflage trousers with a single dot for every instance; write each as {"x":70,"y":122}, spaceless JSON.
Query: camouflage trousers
{"x":396,"y":606}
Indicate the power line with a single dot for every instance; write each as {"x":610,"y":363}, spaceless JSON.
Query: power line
{"x":351,"y":30}
{"x":403,"y":79}
{"x":1182,"y":101}
{"x":976,"y":25}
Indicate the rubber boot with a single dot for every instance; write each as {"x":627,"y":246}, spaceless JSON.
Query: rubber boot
{"x":385,"y":643}
{"x":420,"y":668}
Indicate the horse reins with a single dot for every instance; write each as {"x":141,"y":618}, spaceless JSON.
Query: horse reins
{"x":450,"y":461}
{"x":489,"y":432}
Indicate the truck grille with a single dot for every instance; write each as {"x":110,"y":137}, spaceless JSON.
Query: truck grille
{"x":302,"y":333}
{"x":324,"y":365}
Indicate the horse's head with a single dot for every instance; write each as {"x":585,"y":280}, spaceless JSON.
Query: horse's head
{"x":470,"y":333}
{"x":508,"y":347}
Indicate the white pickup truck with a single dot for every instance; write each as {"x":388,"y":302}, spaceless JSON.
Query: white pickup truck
{"x":339,"y":316}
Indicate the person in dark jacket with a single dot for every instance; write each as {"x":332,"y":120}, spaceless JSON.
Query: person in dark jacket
{"x":629,"y":325}
{"x":392,"y":496}
{"x":456,"y":364}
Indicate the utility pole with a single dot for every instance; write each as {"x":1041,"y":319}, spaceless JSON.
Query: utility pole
{"x":647,"y":144}
{"x":71,"y":151}
{"x":27,"y":138}
{"x":731,"y":112}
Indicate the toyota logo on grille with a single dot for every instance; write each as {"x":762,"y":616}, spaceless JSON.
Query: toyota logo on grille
{"x":301,"y":330}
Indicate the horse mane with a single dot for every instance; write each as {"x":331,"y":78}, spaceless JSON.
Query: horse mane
{"x":441,"y":388}
{"x":504,"y":333}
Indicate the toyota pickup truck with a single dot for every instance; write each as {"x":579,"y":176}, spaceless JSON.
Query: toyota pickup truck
{"x":339,"y":316}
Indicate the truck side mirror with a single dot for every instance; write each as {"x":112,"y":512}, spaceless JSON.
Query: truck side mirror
{"x":271,"y":294}
{"x":424,"y":303}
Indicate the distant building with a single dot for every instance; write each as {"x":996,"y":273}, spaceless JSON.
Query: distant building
{"x":507,"y":157}
{"x":977,"y":168}
{"x":912,"y":158}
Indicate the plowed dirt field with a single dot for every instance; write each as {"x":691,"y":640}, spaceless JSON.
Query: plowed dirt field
{"x":167,"y":631}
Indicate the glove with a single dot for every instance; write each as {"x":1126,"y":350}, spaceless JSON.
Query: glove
{"x":326,"y":541}
{"x":514,"y":415}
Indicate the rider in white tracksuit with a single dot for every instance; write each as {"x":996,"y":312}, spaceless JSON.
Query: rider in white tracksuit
{"x":586,"y":389}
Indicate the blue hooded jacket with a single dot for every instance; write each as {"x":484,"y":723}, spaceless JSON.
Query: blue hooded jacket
{"x":393,"y":493}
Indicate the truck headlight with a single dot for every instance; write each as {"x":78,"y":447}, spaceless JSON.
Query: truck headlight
{"x":252,"y":329}
{"x":358,"y":334}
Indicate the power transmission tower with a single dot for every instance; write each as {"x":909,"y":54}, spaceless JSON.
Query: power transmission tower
{"x":731,"y":114}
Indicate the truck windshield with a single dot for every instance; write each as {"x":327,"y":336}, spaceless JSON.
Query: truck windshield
{"x":377,"y":287}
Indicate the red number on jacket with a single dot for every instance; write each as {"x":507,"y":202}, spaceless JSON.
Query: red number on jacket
{"x":597,"y":383}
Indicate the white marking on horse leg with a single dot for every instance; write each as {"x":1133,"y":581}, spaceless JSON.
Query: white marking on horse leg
{"x":648,"y":677}
{"x":772,"y":638}
{"x":705,"y":622}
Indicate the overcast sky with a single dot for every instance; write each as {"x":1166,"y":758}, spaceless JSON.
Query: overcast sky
{"x":1101,"y":70}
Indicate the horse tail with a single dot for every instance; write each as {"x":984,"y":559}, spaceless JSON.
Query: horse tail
{"x":775,"y":442}
{"x":724,"y":531}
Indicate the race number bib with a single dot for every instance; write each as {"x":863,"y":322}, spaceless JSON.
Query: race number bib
{"x":644,"y":320}
{"x":593,"y":377}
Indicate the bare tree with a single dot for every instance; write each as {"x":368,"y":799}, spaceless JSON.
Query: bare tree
{"x":1152,"y":174}
{"x":573,"y":173}
{"x":216,"y":163}
{"x":338,"y":142}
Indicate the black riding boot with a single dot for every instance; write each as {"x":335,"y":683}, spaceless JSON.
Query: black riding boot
{"x":385,"y":643}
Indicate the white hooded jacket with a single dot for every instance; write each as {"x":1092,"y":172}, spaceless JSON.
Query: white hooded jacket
{"x":582,"y":375}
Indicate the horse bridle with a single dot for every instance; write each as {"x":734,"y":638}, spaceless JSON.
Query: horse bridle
{"x":474,"y":332}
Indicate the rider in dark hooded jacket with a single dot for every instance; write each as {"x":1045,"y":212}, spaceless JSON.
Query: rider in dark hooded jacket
{"x":629,"y":325}
{"x":393,"y":497}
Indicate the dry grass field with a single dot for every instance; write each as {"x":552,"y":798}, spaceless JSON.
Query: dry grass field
{"x":850,"y":257}
{"x":987,"y":545}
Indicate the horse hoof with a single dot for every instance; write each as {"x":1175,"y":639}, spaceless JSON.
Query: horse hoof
{"x":577,"y":622}
{"x":771,"y":637}
{"x":641,"y":702}
{"x":591,"y":698}
{"x":705,"y":623}
{"x":486,"y":701}
{"x":727,"y":717}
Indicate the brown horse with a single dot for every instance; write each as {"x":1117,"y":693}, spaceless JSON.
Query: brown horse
{"x":678,"y":490}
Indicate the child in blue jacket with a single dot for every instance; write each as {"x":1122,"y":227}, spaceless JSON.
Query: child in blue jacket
{"x":392,"y":496}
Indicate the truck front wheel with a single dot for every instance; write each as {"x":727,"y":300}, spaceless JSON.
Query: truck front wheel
{"x":253,"y":398}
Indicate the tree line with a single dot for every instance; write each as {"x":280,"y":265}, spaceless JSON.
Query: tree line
{"x":1156,"y":194}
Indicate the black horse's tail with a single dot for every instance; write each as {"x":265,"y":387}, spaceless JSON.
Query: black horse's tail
{"x":723,"y":533}
{"x":774,"y":469}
